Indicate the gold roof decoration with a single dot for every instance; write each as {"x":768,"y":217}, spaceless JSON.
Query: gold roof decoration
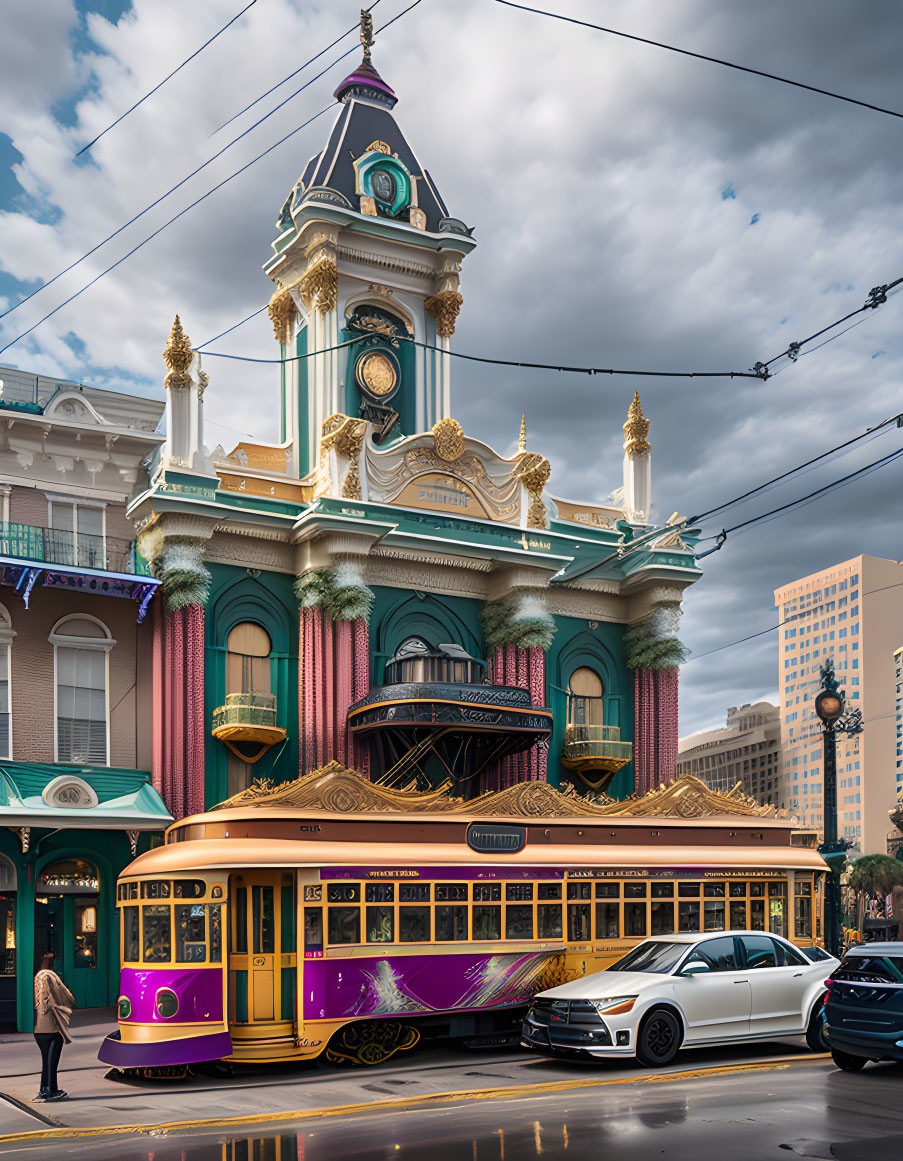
{"x":335,"y":788}
{"x":178,"y":355}
{"x":522,"y":438}
{"x":448,"y":440}
{"x":636,"y":429}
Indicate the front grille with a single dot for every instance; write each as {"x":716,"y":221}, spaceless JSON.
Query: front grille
{"x":865,"y":1006}
{"x":552,"y":1012}
{"x":565,"y":1024}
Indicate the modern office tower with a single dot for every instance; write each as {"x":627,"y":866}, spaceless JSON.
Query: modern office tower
{"x":851,"y":613}
{"x":747,"y":750}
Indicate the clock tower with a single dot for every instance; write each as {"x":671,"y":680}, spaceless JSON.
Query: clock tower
{"x":366,"y":271}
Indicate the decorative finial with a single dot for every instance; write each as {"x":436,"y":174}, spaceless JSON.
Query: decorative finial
{"x":522,"y":439}
{"x":636,"y":429}
{"x":366,"y":34}
{"x":178,"y":355}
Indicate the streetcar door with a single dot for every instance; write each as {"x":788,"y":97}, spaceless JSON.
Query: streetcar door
{"x":263,"y":960}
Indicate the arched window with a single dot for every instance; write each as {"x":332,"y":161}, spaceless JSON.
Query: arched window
{"x":416,"y":661}
{"x":248,"y":659}
{"x":81,"y":645}
{"x":6,"y":639}
{"x":585,"y":698}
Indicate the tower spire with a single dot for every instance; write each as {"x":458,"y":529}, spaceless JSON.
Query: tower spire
{"x":522,"y":438}
{"x":366,"y":34}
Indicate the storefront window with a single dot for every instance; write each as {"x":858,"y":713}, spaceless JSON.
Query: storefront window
{"x":69,"y":876}
{"x":86,"y":933}
{"x":7,"y":935}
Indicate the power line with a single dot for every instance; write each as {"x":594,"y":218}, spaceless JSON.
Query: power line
{"x":290,"y":76}
{"x":169,"y":77}
{"x":160,"y":229}
{"x":234,"y":327}
{"x":196,"y":202}
{"x":702,"y":56}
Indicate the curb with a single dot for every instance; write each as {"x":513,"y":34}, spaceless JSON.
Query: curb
{"x":405,"y":1103}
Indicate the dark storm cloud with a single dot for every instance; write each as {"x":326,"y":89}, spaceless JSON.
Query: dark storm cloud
{"x":593,"y":170}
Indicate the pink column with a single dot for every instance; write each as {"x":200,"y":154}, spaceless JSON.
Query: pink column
{"x":157,"y":696}
{"x":194,"y":708}
{"x":361,"y":752}
{"x":318,"y":724}
{"x":328,"y":686}
{"x":344,"y":686}
{"x":667,"y":723}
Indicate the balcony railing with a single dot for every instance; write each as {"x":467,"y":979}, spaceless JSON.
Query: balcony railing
{"x":73,"y":549}
{"x":588,"y":747}
{"x":247,"y":725}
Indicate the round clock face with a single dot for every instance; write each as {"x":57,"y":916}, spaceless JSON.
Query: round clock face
{"x":376,"y":373}
{"x":384,"y":185}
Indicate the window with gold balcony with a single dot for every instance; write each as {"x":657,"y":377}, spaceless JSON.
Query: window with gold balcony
{"x":592,"y":749}
{"x":246,"y":723}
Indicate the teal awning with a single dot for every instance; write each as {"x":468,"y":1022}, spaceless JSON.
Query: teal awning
{"x":79,"y":797}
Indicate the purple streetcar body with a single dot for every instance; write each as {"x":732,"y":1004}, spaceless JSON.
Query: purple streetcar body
{"x":337,"y":989}
{"x":199,"y":991}
{"x":164,"y":1053}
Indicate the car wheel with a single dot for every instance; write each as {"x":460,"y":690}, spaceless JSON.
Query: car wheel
{"x":815,"y":1032}
{"x":659,"y":1038}
{"x":846,"y":1062}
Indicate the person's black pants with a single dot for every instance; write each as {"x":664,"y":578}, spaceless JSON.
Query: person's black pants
{"x":51,"y":1045}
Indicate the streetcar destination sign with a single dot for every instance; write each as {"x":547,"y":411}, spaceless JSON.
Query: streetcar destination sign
{"x":496,"y":840}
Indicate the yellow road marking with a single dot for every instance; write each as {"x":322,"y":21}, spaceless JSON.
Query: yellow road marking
{"x":405,"y":1103}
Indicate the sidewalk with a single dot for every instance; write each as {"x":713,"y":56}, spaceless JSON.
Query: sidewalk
{"x":280,"y":1090}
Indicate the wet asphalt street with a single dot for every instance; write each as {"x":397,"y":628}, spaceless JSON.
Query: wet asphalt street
{"x":805,"y":1108}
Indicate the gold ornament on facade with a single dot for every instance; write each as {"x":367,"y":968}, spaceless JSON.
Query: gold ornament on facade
{"x":378,"y":147}
{"x":448,"y":440}
{"x":320,"y":286}
{"x":346,"y":435}
{"x":522,"y":438}
{"x":636,"y":429}
{"x":367,"y":39}
{"x":444,"y":308}
{"x":282,"y":311}
{"x":533,"y":471}
{"x":203,"y":384}
{"x":377,"y":373}
{"x":178,"y":355}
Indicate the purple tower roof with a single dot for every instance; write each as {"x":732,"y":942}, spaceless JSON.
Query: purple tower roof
{"x":365,"y":81}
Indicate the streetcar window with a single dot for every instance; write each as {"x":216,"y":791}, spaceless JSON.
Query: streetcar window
{"x":688,"y":916}
{"x":802,"y":909}
{"x":344,"y":925}
{"x":738,"y":915}
{"x":414,"y":924}
{"x":214,"y":910}
{"x":662,"y":890}
{"x":263,"y":915}
{"x":580,"y":890}
{"x":549,"y":920}
{"x":451,"y":892}
{"x":487,"y":892}
{"x":155,"y":889}
{"x":634,"y":890}
{"x":380,"y":924}
{"x":662,"y":915}
{"x":156,"y":934}
{"x":343,"y":893}
{"x":240,"y":925}
{"x":131,"y":942}
{"x":189,"y":888}
{"x":132,"y":889}
{"x":607,"y":920}
{"x":451,"y":922}
{"x":487,"y":922}
{"x":688,"y":890}
{"x":713,"y":890}
{"x":380,"y":892}
{"x":191,"y":933}
{"x":607,"y":890}
{"x":579,"y":922}
{"x":518,"y":892}
{"x":413,"y":892}
{"x":634,"y":919}
{"x":549,"y":891}
{"x":713,"y":914}
{"x":519,"y":920}
{"x":313,"y":929}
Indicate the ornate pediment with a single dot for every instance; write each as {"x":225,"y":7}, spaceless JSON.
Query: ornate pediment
{"x":688,"y":797}
{"x":336,"y":788}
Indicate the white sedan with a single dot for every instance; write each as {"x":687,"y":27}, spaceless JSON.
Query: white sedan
{"x":675,"y":990}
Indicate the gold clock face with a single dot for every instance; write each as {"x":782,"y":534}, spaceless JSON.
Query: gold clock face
{"x":377,"y":374}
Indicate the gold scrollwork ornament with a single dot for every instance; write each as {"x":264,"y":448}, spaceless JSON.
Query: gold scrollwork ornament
{"x":448,"y":440}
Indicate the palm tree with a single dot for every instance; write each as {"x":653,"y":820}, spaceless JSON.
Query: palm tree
{"x":877,"y":875}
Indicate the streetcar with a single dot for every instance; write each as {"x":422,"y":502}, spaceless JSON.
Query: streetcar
{"x":331,"y":916}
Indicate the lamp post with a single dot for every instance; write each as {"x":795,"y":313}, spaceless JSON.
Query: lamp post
{"x":829,"y":706}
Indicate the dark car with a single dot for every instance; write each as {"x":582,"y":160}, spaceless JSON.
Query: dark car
{"x":864,"y":1006}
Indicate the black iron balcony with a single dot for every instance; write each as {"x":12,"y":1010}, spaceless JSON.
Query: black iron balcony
{"x":71,"y":549}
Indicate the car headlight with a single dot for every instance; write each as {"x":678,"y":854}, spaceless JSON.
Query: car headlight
{"x":615,"y":1005}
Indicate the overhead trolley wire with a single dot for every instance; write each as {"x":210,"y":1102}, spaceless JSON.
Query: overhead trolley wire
{"x":290,"y":76}
{"x":702,"y":56}
{"x":169,"y":77}
{"x":196,"y":202}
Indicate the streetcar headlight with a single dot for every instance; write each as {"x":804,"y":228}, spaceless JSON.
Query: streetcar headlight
{"x":615,"y":1005}
{"x":167,"y":1003}
{"x":124,"y":1005}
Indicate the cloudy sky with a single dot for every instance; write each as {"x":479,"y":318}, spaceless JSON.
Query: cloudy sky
{"x":633,"y":208}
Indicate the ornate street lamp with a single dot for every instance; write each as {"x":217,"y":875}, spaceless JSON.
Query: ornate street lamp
{"x":830,"y":705}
